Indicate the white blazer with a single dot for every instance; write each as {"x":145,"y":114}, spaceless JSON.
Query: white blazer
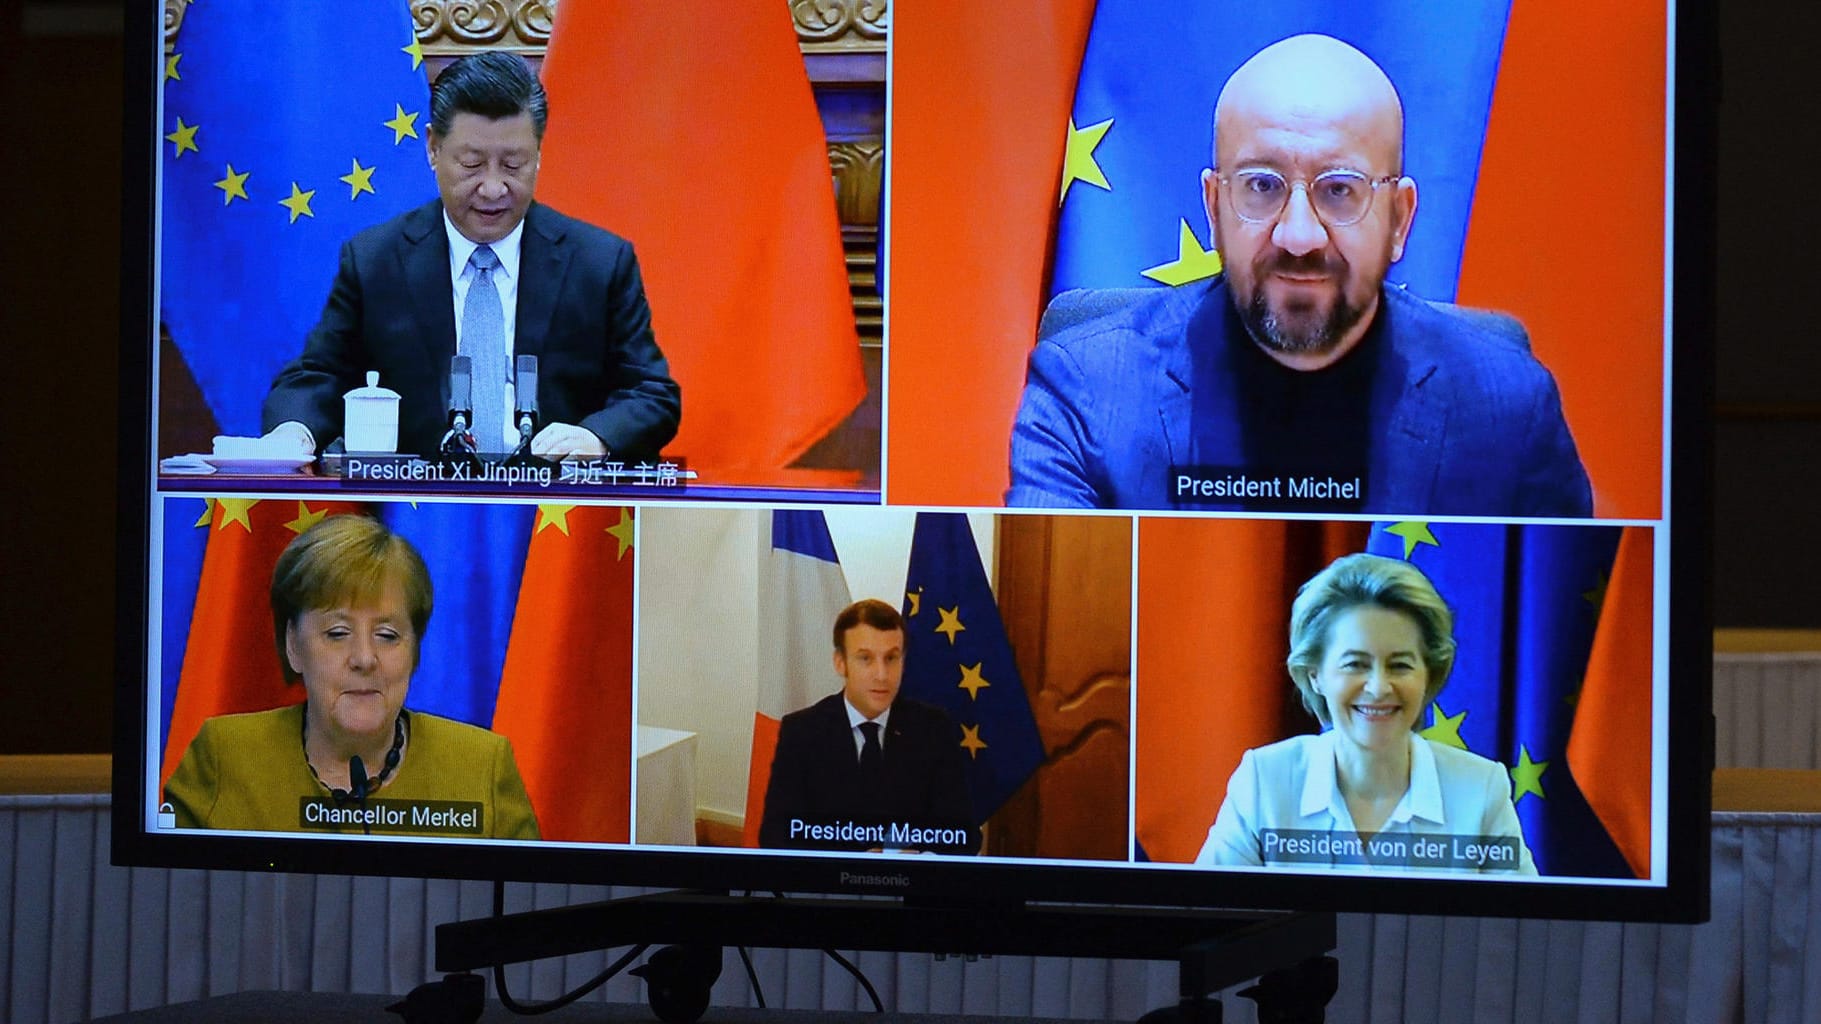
{"x":1284,"y":809}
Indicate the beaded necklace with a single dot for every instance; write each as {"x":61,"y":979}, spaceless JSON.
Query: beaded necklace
{"x":392,"y":759}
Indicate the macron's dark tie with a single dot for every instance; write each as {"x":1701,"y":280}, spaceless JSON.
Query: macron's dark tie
{"x":872,"y":756}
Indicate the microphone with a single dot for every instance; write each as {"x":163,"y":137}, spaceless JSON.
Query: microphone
{"x":357,"y":777}
{"x":457,"y":441}
{"x":525,"y":399}
{"x":461,"y":392}
{"x":357,"y":785}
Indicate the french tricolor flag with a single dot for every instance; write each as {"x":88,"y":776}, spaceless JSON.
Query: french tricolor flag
{"x":801,"y":590}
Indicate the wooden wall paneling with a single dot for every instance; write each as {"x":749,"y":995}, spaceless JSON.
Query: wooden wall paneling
{"x":843,"y":44}
{"x":1065,"y":594}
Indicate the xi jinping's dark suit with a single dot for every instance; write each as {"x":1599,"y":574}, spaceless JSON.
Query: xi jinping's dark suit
{"x":581,"y":311}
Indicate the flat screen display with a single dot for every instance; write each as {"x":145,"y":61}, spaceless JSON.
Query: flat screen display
{"x":1198,"y":456}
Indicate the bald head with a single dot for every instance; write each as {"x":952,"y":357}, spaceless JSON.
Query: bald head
{"x":1304,"y":267}
{"x":1310,"y":85}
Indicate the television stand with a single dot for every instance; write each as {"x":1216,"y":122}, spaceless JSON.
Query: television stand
{"x":1214,"y":949}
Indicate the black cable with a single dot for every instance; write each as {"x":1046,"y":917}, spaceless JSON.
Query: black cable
{"x":878,"y":1007}
{"x":531,"y":1009}
{"x":752,"y":976}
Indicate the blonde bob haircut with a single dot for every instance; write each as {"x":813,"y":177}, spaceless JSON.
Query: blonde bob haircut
{"x":347,"y":561}
{"x":1355,"y":580}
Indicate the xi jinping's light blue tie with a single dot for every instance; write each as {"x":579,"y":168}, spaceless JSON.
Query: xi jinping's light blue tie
{"x":484,"y":341}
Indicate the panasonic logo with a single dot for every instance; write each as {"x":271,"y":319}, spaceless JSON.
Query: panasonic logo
{"x":899,"y":881}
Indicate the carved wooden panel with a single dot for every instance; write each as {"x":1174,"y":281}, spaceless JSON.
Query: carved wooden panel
{"x":857,"y":167}
{"x":858,"y":171}
{"x":1065,"y":591}
{"x":861,"y":246}
{"x":824,"y":25}
{"x":453,"y":27}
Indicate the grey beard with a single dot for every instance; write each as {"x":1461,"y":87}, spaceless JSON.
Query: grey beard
{"x":1273,"y":335}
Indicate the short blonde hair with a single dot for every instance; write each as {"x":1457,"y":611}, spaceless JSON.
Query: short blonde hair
{"x":347,"y":560}
{"x":1355,"y":580}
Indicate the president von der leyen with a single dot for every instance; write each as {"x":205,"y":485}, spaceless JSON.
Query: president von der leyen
{"x":1298,"y":366}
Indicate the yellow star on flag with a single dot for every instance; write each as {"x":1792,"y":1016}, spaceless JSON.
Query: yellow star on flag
{"x":1413,"y":534}
{"x":1527,"y":777}
{"x":236,"y":510}
{"x":416,"y":50}
{"x":951,"y":622}
{"x":553,"y":515}
{"x":184,"y":138}
{"x":1192,"y":262}
{"x":1444,"y":728}
{"x":402,"y":124}
{"x":1597,"y":596}
{"x":170,"y":68}
{"x":622,"y":532}
{"x":970,"y":738}
{"x":1078,"y":162}
{"x":915,"y":597}
{"x":298,"y":202}
{"x":208,"y":512}
{"x":359,"y":180}
{"x":232,"y":187}
{"x":305,"y":518}
{"x":972,"y":681}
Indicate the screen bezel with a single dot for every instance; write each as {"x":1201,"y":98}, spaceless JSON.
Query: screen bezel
{"x":1689,"y":757}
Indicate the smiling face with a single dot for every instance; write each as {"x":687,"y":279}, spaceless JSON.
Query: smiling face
{"x":1373,"y":677}
{"x":1306,"y":288}
{"x":486,"y":170}
{"x":871,"y":663}
{"x":356,"y":664}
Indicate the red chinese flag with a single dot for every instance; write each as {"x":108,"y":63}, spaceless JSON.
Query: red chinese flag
{"x":565,"y":697}
{"x":1213,"y":630}
{"x":1609,"y":750}
{"x":979,"y":119}
{"x":1603,"y":337}
{"x":708,"y":154}
{"x":231,"y":662}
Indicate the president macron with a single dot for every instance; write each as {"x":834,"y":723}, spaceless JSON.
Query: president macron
{"x":866,"y":769}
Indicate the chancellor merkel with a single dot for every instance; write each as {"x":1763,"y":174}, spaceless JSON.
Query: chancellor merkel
{"x":350,"y":602}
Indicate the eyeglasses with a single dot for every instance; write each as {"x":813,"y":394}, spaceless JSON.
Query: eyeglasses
{"x":1339,"y":198}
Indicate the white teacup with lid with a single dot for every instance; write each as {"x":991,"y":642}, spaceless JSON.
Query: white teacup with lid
{"x":370,"y":418}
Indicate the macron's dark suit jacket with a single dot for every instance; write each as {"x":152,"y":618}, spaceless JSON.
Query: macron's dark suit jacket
{"x":1463,"y":419}
{"x":815,"y":776}
{"x":581,"y":311}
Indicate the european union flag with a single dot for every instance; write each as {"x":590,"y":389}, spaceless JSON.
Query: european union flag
{"x":286,"y":129}
{"x":958,"y":658}
{"x":1526,"y":602}
{"x":1140,"y":136}
{"x":476,"y":558}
